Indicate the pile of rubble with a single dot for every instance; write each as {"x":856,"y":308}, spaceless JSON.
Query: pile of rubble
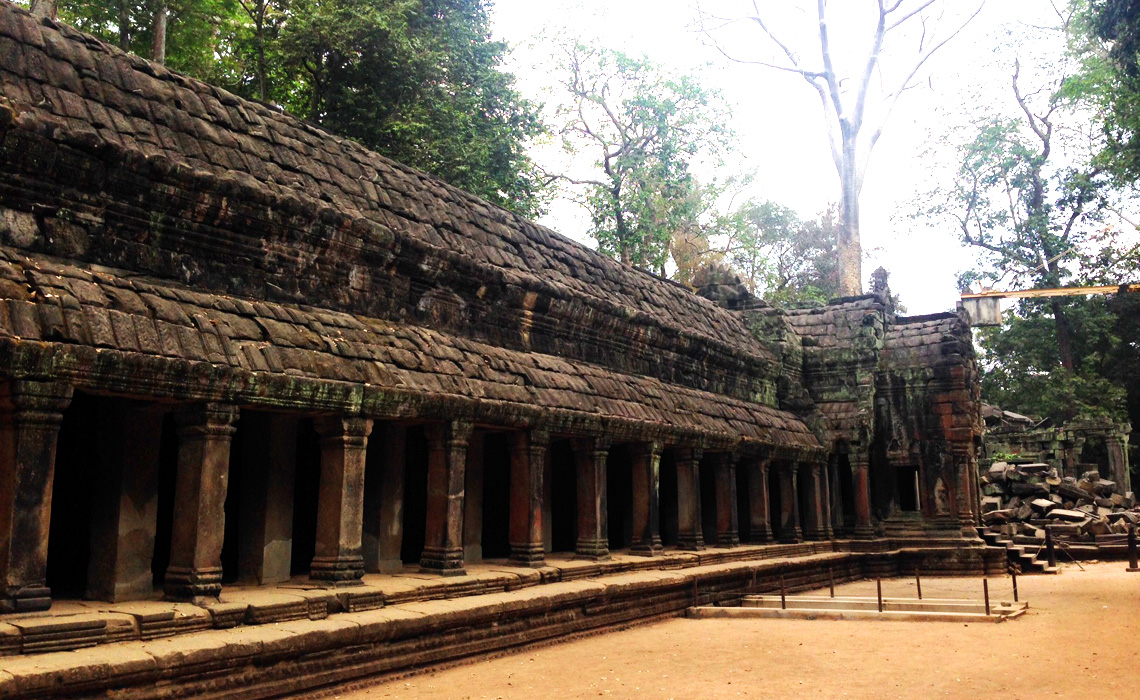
{"x":1022,"y":499}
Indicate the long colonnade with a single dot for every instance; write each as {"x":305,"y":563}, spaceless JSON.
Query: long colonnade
{"x":191,"y":496}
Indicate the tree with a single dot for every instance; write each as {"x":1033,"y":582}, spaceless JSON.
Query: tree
{"x":420,"y":81}
{"x":1106,"y":36}
{"x":1031,"y":218}
{"x":1031,"y":197}
{"x":852,"y":130}
{"x":781,"y":258}
{"x":645,"y":129}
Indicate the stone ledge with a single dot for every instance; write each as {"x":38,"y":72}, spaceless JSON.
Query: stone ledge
{"x":269,"y":660}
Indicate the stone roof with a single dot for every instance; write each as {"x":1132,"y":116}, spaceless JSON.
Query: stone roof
{"x":926,"y":342}
{"x":93,"y":95}
{"x":839,"y":324}
{"x":59,"y":307}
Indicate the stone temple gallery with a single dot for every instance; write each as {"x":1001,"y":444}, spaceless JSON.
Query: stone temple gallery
{"x":252,"y":372}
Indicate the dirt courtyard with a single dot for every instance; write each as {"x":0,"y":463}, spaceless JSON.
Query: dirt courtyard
{"x":1081,"y":638}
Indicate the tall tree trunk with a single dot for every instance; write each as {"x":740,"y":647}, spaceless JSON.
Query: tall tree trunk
{"x":44,"y":8}
{"x":849,"y":247}
{"x":124,"y":25}
{"x":158,"y":46}
{"x":262,"y":91}
{"x":1064,"y":337}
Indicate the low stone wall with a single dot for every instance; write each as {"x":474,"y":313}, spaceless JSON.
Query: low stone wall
{"x":270,"y":661}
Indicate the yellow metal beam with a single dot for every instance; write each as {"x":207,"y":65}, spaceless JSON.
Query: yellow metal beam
{"x":1055,"y":292}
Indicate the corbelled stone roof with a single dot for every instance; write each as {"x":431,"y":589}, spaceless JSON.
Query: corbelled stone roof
{"x":162,"y":237}
{"x":927,"y":342}
{"x":403,"y":367}
{"x":272,"y":160}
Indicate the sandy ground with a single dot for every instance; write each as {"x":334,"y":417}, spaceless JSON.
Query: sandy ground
{"x":1081,"y":638}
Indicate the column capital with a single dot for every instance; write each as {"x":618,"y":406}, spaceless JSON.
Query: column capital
{"x":600,"y":443}
{"x":337,"y":427}
{"x":33,"y":401}
{"x":650,"y":448}
{"x":207,"y":420}
{"x":690,"y":452}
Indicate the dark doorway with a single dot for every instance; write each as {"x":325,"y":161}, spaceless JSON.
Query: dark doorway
{"x":847,"y":493}
{"x":306,"y":497}
{"x":496,"y":496}
{"x":167,"y":478}
{"x":804,"y":494}
{"x":668,"y":501}
{"x":906,"y":484}
{"x":563,"y":497}
{"x":743,"y":502}
{"x":708,"y":498}
{"x":619,"y":497}
{"x":69,"y":532}
{"x":775,"y":496}
{"x":415,"y":496}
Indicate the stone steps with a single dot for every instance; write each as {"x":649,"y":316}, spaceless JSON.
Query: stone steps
{"x":1023,"y":556}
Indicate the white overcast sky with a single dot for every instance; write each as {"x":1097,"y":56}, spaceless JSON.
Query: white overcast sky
{"x":778,"y":122}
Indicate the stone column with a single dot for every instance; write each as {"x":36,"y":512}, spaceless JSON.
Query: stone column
{"x":384,"y":502}
{"x":339,"y":558}
{"x":759,"y":518}
{"x":790,"y":503}
{"x":528,"y":464}
{"x":124,"y":502}
{"x":861,"y":479}
{"x":204,"y":433}
{"x":593,"y":531}
{"x":964,"y":463}
{"x":814,"y":528}
{"x":447,"y":460}
{"x":473,"y":500}
{"x":269,"y":464}
{"x":727,"y":515}
{"x":689,"y":535}
{"x":1117,"y":447}
{"x":646,"y":499}
{"x":30,"y":414}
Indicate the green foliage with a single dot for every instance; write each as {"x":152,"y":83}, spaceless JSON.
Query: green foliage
{"x":420,"y":81}
{"x":1032,"y":196}
{"x":1106,"y":37}
{"x":645,"y":129}
{"x":781,"y":258}
{"x":1021,"y":363}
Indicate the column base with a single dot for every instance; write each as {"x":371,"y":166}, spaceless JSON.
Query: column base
{"x":592,"y":550}
{"x":445,"y":562}
{"x":690,"y":543}
{"x":863,"y":532}
{"x":728,"y":540}
{"x":647,"y":550}
{"x":764,"y":536}
{"x":184,"y":584}
{"x":815,"y":535}
{"x":794,"y":537}
{"x":337,"y":571}
{"x":26,"y":599}
{"x":532,"y":555}
{"x":386,"y":566}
